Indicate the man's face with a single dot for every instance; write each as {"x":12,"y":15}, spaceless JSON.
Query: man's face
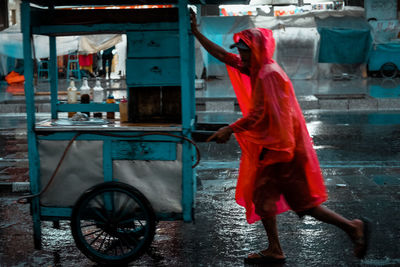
{"x":245,"y":55}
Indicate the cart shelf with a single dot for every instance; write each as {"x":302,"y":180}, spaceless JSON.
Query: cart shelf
{"x":65,"y":125}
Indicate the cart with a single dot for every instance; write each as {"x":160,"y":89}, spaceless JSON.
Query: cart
{"x":385,"y":58}
{"x":113,"y":181}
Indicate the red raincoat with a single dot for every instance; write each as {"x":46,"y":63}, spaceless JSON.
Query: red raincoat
{"x":272,"y":120}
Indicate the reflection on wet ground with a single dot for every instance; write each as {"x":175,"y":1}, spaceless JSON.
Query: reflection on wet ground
{"x":371,"y":87}
{"x":340,"y":138}
{"x":359,"y":153}
{"x":220,"y":235}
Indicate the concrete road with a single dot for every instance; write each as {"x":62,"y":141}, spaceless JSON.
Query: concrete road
{"x":360,"y":159}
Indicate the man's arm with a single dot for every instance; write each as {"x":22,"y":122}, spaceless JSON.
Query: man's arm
{"x":222,"y":135}
{"x":211,"y":47}
{"x":257,"y":113}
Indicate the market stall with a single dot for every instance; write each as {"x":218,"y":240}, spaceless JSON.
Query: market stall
{"x":307,"y":43}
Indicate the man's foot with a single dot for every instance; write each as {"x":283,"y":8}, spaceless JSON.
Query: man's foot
{"x":265,"y":256}
{"x":360,"y":237}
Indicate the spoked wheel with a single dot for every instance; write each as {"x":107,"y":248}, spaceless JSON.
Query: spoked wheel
{"x":113,"y":223}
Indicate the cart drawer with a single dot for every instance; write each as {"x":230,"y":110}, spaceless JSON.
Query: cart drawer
{"x":157,"y":71}
{"x":131,"y":150}
{"x":153,"y":44}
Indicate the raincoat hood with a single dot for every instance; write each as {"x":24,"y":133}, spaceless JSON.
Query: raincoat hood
{"x":261,"y":43}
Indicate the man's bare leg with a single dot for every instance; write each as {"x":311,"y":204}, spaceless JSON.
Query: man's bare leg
{"x":274,"y":249}
{"x":354,"y":228}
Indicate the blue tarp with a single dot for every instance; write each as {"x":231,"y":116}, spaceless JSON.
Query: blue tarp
{"x":345,"y":40}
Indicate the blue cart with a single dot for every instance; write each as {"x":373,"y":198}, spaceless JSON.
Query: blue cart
{"x":113,"y":181}
{"x":385,"y":59}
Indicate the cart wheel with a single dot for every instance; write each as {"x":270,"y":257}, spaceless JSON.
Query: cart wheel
{"x":389,"y":70}
{"x":113,"y":223}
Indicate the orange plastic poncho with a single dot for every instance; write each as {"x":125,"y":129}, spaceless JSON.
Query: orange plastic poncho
{"x":272,"y":119}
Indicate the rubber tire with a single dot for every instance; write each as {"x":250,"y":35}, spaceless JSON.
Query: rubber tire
{"x":108,"y":187}
{"x":392,"y":65}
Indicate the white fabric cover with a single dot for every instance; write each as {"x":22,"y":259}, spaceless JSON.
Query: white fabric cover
{"x":11,"y":43}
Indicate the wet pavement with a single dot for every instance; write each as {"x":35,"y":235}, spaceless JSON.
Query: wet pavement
{"x":360,"y":159}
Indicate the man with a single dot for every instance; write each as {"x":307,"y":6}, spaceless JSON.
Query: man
{"x":107,"y":58}
{"x":279,"y":169}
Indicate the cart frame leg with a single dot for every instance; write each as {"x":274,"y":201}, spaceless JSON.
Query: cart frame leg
{"x":30,"y":119}
{"x":37,"y":228}
{"x":187,"y":87}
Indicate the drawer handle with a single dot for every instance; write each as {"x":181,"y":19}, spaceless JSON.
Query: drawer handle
{"x":155,"y":69}
{"x":153,"y":44}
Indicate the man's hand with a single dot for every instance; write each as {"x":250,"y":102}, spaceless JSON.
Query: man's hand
{"x":222,"y":135}
{"x":193,"y":22}
{"x":215,"y":50}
